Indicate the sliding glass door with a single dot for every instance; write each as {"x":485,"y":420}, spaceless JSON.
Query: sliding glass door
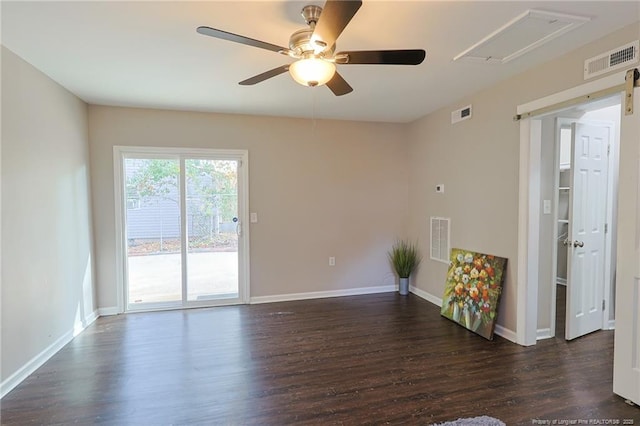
{"x":182,"y":239}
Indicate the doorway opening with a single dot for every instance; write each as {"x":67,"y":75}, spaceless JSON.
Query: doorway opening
{"x":578,"y":192}
{"x":180,"y":233}
{"x":626,"y":374}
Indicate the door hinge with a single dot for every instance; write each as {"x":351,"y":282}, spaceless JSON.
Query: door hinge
{"x":606,"y":228}
{"x":603,"y":304}
{"x":608,"y":149}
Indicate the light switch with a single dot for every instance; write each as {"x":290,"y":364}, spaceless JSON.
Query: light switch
{"x":546,"y":206}
{"x":253,"y":217}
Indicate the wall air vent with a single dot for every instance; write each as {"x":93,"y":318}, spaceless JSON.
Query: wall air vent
{"x":612,"y":60}
{"x":522,"y":34}
{"x":461,"y":114}
{"x":440,"y":236}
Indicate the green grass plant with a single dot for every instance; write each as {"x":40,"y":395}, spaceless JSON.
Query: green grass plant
{"x":404,"y":258}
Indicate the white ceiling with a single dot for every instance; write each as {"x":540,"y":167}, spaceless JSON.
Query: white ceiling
{"x":148,"y":54}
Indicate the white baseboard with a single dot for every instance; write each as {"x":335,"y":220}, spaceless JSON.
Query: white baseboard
{"x":36,"y":362}
{"x":426,"y":296}
{"x":543,"y":333}
{"x":323,"y":294}
{"x":499,"y":330}
{"x":79,"y":328}
{"x":105,"y":312}
{"x":505,"y":333}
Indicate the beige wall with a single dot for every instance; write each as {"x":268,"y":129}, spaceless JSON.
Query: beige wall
{"x":477,"y":161}
{"x":546,"y":237}
{"x":324,"y":188}
{"x":47,"y":263}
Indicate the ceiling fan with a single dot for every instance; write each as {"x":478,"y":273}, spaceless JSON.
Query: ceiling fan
{"x":314,"y":48}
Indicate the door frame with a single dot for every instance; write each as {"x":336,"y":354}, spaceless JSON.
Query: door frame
{"x":242,"y":156}
{"x":529,"y":201}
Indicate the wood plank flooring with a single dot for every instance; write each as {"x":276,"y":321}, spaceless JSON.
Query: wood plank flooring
{"x":561,"y":310}
{"x":374,"y":359}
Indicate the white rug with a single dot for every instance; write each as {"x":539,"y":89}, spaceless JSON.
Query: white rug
{"x":475,"y":421}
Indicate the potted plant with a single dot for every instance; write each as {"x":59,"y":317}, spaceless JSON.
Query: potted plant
{"x":404,"y":258}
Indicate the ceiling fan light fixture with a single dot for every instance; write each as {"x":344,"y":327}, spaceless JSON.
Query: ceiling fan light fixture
{"x":314,"y":48}
{"x":312,"y":71}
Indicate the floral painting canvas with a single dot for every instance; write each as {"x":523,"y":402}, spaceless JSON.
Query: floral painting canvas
{"x":472,"y":291}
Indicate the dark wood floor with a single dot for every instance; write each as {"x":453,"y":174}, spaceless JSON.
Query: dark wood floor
{"x":561,"y":310}
{"x":365,"y":359}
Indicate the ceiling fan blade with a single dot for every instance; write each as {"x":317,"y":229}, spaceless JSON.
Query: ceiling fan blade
{"x":264,"y":76}
{"x":212,"y":32}
{"x":338,"y":85}
{"x":335,"y":16}
{"x":384,"y":57}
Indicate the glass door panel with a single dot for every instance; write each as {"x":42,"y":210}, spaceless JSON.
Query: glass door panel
{"x":153,"y":234}
{"x":212,"y":229}
{"x":181,"y":240}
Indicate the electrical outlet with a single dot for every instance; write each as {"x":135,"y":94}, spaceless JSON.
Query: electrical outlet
{"x":332,"y":261}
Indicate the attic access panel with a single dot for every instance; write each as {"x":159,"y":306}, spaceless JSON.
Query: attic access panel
{"x":522,"y":34}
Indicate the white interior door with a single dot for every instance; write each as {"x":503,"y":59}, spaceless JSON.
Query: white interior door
{"x":626,"y":358}
{"x":587,"y":216}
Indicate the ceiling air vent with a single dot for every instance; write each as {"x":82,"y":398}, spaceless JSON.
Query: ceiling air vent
{"x":522,"y":34}
{"x":612,"y":60}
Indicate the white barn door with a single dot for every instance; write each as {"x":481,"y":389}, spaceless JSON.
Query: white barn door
{"x":626,"y":363}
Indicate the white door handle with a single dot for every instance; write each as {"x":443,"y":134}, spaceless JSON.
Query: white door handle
{"x":238,"y":229}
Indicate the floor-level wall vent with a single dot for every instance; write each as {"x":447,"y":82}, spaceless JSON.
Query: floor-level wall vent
{"x":614,"y":59}
{"x":440,"y":232}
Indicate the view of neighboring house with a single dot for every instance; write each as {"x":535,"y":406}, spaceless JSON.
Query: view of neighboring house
{"x":153,"y":204}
